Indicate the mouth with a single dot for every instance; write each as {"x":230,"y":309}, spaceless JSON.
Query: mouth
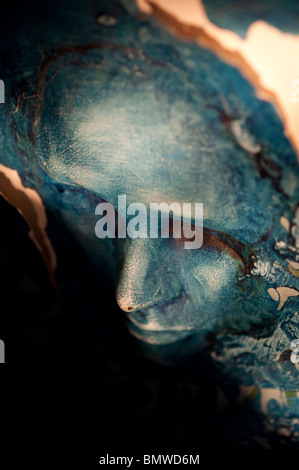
{"x":163,"y":323}
{"x":156,"y":326}
{"x":159,"y":336}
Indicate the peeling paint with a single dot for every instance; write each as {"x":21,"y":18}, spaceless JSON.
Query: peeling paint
{"x":282,"y":293}
{"x":256,"y":56}
{"x":285,"y":223}
{"x":268,"y":394}
{"x":29,"y":204}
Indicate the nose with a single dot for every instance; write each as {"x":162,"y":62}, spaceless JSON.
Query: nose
{"x":140,"y":282}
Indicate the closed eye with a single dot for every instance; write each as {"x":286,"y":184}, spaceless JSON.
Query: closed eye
{"x":221,"y":242}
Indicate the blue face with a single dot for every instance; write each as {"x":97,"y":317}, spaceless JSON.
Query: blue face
{"x":129,"y":109}
{"x":126,"y":123}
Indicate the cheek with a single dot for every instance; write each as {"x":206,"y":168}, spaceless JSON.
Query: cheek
{"x":210,"y":277}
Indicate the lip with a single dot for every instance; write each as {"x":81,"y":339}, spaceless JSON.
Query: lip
{"x":158,"y":337}
{"x":163,"y":316}
{"x":163,"y":323}
{"x":156,"y":327}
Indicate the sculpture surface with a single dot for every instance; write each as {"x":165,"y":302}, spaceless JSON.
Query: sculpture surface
{"x":107,"y":102}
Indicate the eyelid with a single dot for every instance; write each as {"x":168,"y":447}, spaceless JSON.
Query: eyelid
{"x":223,"y":242}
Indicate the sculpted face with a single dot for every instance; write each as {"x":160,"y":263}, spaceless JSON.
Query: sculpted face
{"x":128,"y":109}
{"x":154,"y":133}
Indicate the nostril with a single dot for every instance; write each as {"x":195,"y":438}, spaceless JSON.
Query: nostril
{"x":129,"y":309}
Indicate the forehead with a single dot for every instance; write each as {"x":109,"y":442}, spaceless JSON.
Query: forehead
{"x":121,"y":123}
